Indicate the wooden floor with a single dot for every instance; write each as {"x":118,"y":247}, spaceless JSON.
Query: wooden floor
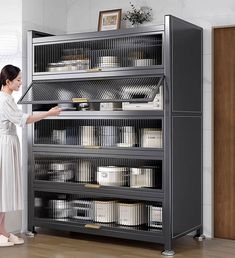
{"x":66,"y":245}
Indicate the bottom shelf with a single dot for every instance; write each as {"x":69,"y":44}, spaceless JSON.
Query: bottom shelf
{"x":94,"y":211}
{"x":141,"y":233}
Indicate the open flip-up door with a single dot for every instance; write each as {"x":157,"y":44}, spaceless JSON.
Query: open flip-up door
{"x":135,"y":89}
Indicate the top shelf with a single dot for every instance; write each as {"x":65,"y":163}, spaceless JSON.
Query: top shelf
{"x":40,"y":38}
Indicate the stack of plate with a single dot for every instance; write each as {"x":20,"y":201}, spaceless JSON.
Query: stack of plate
{"x":143,"y":62}
{"x":108,"y":135}
{"x":108,"y":62}
{"x":131,"y":214}
{"x":84,"y":172}
{"x":88,"y":136}
{"x":127,"y":136}
{"x":105,"y":211}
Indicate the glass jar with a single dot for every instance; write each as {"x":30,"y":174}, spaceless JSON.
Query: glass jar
{"x":52,"y":67}
{"x":74,"y":65}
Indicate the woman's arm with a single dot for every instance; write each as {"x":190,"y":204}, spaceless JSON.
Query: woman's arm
{"x":55,"y":111}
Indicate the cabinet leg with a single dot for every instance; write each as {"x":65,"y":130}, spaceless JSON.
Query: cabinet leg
{"x":199,"y":235}
{"x":168,"y":249}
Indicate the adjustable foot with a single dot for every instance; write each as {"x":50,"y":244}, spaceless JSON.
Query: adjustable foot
{"x":30,"y":234}
{"x":199,"y":238}
{"x":168,"y":253}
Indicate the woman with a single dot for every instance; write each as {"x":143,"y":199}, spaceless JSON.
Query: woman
{"x":10,"y":174}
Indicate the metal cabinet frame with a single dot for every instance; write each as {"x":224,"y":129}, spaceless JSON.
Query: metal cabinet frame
{"x":181,"y":194}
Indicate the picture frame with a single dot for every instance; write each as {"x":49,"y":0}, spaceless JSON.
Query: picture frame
{"x":109,"y":20}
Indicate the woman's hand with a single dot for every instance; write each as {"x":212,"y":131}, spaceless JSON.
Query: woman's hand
{"x":55,"y":111}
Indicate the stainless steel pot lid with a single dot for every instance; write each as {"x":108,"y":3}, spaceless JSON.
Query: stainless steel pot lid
{"x":61,"y":166}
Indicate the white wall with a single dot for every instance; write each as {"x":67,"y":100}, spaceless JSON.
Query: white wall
{"x":11,"y":53}
{"x":16,"y":18}
{"x":48,"y":16}
{"x":83,"y":16}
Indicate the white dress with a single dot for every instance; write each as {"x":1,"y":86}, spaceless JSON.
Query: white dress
{"x":10,"y":160}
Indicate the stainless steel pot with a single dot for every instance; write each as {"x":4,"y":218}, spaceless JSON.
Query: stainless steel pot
{"x":82,"y":209}
{"x":141,"y":177}
{"x":61,"y":175}
{"x":111,"y":175}
{"x":61,"y":165}
{"x":59,"y":209}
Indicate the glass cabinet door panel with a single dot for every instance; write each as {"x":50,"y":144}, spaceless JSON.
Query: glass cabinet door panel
{"x":117,"y":133}
{"x":104,"y":54}
{"x":131,"y":173}
{"x":91,"y":210}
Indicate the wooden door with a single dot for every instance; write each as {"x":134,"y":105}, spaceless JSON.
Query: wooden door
{"x":224,"y":132}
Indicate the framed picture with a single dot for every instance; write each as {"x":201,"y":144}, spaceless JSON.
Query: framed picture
{"x":109,"y":20}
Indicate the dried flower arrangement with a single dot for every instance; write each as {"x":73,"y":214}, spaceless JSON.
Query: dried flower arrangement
{"x":138,"y":15}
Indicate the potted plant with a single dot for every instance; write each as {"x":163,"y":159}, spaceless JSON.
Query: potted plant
{"x":138,"y":16}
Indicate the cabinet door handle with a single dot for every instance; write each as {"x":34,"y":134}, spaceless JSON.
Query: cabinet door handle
{"x":92,"y":185}
{"x":79,"y":100}
{"x":92,"y":146}
{"x":94,"y":70}
{"x":95,"y":226}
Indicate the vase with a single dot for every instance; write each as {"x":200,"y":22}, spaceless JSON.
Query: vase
{"x":136,"y":25}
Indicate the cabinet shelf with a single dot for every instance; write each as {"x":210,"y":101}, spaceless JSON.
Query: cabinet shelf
{"x":144,"y":194}
{"x":157,"y":154}
{"x":130,"y":114}
{"x":100,"y":73}
{"x":47,"y":39}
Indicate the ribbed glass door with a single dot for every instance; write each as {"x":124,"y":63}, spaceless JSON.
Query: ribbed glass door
{"x":103,"y":54}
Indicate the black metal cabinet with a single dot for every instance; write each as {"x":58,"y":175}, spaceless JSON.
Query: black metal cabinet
{"x":126,"y":154}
